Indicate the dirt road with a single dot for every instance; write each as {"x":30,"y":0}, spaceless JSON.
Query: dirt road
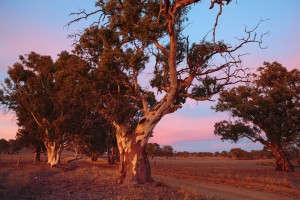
{"x":217,"y":191}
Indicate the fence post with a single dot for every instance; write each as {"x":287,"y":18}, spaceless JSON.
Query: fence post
{"x":18,"y":163}
{"x":228,"y":171}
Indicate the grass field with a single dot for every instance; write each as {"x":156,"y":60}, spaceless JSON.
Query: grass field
{"x":180,"y":178}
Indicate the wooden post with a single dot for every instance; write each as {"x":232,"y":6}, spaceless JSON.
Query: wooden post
{"x":228,"y":171}
{"x":18,"y":163}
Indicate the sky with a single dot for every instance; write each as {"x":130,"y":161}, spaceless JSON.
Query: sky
{"x":39,"y":25}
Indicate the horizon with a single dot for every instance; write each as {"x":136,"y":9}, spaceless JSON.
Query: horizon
{"x":39,"y":26}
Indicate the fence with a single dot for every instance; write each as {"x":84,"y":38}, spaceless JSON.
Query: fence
{"x":18,"y":160}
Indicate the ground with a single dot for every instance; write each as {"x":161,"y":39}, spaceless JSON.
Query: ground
{"x":195,"y":178}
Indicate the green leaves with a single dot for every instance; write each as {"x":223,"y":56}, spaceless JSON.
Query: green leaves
{"x":208,"y":86}
{"x":235,"y":131}
{"x":271,"y":101}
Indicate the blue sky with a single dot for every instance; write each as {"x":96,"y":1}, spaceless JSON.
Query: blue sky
{"x":39,"y":25}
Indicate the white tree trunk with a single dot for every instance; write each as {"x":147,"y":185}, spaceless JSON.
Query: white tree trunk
{"x":134,"y":166}
{"x":53,"y":152}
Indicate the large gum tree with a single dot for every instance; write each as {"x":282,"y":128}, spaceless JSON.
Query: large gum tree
{"x":131,"y":36}
{"x":267,"y":111}
{"x":41,"y":90}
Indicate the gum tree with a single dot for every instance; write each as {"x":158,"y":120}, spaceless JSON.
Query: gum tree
{"x":41,"y":90}
{"x":129,"y":35}
{"x":267,"y":110}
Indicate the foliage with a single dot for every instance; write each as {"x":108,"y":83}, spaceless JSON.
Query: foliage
{"x":271,"y":102}
{"x":3,"y":145}
{"x":153,"y":149}
{"x":10,"y":146}
{"x":49,"y":100}
{"x":267,"y":110}
{"x":238,"y":154}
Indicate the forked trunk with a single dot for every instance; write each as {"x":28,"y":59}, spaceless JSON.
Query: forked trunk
{"x":282,"y":162}
{"x":134,"y":166}
{"x":53,"y":152}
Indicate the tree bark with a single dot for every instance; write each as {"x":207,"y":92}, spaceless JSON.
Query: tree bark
{"x":94,"y":156}
{"x":53,"y":153}
{"x":111,"y":156}
{"x":134,"y":166}
{"x":37,"y":157}
{"x":37,"y":154}
{"x":282,"y":162}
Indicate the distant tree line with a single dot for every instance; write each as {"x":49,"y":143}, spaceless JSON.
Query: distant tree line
{"x":91,"y":99}
{"x":155,"y":150}
{"x":9,"y":146}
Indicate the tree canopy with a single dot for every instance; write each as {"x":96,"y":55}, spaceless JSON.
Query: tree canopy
{"x":266,"y":109}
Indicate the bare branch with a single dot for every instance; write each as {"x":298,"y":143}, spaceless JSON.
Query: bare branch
{"x":85,"y":16}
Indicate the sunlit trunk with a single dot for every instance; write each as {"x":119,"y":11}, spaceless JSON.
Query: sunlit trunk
{"x":134,"y":166}
{"x":53,"y":153}
{"x":282,"y":162}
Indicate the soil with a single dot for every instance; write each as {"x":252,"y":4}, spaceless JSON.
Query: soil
{"x":173,"y":179}
{"x":219,"y":191}
{"x":80,"y":179}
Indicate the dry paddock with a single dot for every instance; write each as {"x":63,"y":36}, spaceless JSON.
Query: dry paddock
{"x":20,"y":178}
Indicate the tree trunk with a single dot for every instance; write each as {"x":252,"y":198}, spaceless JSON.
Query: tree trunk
{"x":134,"y":166}
{"x":282,"y":162}
{"x":37,"y":154}
{"x":37,"y":157}
{"x":53,"y":152}
{"x":111,"y":156}
{"x":94,"y":156}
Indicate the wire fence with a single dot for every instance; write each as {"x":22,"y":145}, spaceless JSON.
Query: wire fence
{"x":19,"y":160}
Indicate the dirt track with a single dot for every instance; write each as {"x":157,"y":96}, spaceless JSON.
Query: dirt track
{"x":217,"y":191}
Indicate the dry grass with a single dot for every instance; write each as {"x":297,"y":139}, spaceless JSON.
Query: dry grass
{"x":86,"y":180}
{"x":253,"y":174}
{"x":83,"y":179}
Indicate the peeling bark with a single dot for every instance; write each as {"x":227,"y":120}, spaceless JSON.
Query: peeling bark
{"x":134,"y":166}
{"x":282,"y":162}
{"x":53,"y":153}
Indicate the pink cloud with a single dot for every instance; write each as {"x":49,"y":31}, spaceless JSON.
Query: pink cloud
{"x":175,"y":128}
{"x":8,"y":126}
